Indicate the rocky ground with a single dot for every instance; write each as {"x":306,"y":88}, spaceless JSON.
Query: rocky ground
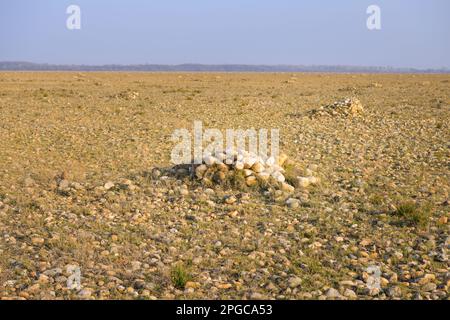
{"x":86,"y":184}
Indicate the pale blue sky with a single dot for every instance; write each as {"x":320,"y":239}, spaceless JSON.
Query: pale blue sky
{"x":415,"y":33}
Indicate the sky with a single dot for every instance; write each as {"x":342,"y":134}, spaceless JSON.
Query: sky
{"x":414,"y":33}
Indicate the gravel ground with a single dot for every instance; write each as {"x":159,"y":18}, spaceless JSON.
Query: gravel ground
{"x":86,"y":187}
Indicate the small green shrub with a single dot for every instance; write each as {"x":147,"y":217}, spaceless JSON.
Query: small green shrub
{"x":414,"y":214}
{"x":180,"y":276}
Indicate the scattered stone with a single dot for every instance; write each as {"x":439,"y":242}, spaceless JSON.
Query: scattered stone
{"x":294,"y":282}
{"x":43,"y":278}
{"x":287,"y":187}
{"x":303,"y":182}
{"x":394,"y":292}
{"x":333,"y":293}
{"x":224,"y":286}
{"x":85,"y":293}
{"x":251,"y":181}
{"x":63,"y":184}
{"x":426,"y":279}
{"x":230,"y":199}
{"x":350,"y":294}
{"x":293,"y":203}
{"x":429,"y":287}
{"x":108,"y":185}
{"x":37,"y":240}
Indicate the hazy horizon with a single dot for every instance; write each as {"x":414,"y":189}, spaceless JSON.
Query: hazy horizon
{"x":414,"y":34}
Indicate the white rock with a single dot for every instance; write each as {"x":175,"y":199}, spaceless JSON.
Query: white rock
{"x":293,"y":203}
{"x":269,"y":170}
{"x":313,"y":180}
{"x":278,"y":176}
{"x":276,"y":167}
{"x":287,"y":187}
{"x":264,"y":176}
{"x":333,"y":293}
{"x":270,"y":161}
{"x":220,"y":156}
{"x":258,"y":167}
{"x":230,"y":152}
{"x":210,"y":160}
{"x":249,"y":161}
{"x":251,"y":181}
{"x":294,"y":282}
{"x":303,"y":182}
{"x":108,"y":185}
{"x":200,"y":171}
{"x":247,"y":172}
{"x":239,"y":165}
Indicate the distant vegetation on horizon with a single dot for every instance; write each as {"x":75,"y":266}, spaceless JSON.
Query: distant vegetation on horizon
{"x":30,"y":66}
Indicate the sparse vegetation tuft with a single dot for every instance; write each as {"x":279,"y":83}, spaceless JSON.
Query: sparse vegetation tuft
{"x":179,"y":276}
{"x":414,"y":214}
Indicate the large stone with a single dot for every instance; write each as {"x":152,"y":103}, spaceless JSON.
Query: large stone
{"x":333,"y":293}
{"x":219,"y":176}
{"x":429,"y":287}
{"x":230,"y":200}
{"x":294,"y":282}
{"x":258,"y":167}
{"x":303,"y":182}
{"x":251,"y":181}
{"x":200,"y":171}
{"x":108,"y":185}
{"x":286,"y":187}
{"x":264,"y":176}
{"x":210,"y":160}
{"x":248,"y":172}
{"x":239,"y":165}
{"x":222,"y":167}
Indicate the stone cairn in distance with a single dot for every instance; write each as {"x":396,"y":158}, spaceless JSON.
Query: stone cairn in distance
{"x":346,"y":107}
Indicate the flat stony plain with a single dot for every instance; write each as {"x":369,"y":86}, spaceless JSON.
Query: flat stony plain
{"x":84,"y":183}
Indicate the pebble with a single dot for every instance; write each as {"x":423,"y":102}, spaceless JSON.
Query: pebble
{"x":37,"y":240}
{"x":63,"y":184}
{"x":429,"y":287}
{"x":287,"y":187}
{"x":333,"y":293}
{"x":426,"y":279}
{"x":350,"y":294}
{"x":303,"y":182}
{"x":230,"y":199}
{"x":293,"y":203}
{"x":294,"y":282}
{"x":85,"y":293}
{"x":108,"y":185}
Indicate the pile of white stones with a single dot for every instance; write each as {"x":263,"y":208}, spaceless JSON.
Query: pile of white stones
{"x":127,"y":95}
{"x":347,"y":107}
{"x":219,"y":164}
